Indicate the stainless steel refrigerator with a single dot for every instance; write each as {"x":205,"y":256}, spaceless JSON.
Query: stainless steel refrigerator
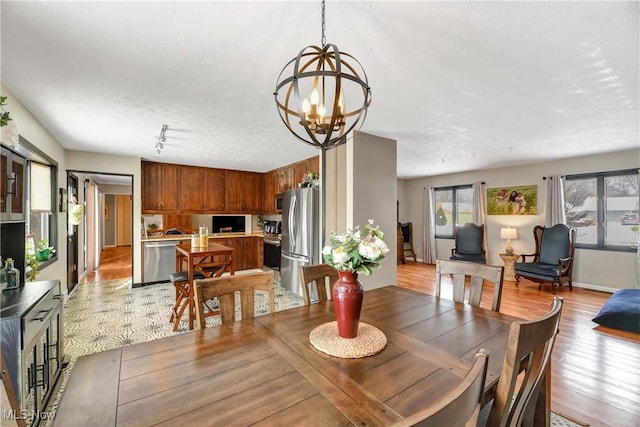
{"x":300,"y":235}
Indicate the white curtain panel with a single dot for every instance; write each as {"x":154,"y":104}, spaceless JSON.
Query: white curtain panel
{"x":638,"y":262}
{"x":554,"y":209}
{"x":479,"y":213}
{"x":429,"y":227}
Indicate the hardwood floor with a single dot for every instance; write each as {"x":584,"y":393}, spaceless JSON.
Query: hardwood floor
{"x":115,"y":263}
{"x":595,"y":370}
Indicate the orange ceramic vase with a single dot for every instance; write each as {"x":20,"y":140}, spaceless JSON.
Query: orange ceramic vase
{"x":347,"y":301}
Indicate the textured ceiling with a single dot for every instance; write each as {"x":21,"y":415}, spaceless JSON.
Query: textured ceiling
{"x":461,"y":86}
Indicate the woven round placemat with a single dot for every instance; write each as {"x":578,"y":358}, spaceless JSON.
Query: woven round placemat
{"x":369,"y":341}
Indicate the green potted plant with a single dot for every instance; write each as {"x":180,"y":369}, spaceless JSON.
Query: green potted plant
{"x":32,"y":267}
{"x":43,"y":250}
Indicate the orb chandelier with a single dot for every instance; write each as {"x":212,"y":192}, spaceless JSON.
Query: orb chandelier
{"x":335,"y":92}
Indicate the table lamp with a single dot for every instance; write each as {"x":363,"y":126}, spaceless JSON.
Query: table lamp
{"x":509,"y":233}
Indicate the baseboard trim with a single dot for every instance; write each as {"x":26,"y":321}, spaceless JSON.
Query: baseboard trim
{"x":595,"y":287}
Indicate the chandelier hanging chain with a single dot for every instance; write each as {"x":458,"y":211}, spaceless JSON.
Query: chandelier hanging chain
{"x":324,"y":27}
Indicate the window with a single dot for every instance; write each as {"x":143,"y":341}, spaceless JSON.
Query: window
{"x":42,"y":173}
{"x":41,"y":222}
{"x":454,"y":205}
{"x":604,"y":209}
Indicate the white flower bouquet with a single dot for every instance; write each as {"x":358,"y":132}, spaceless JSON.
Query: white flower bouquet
{"x":357,"y":251}
{"x":75,"y":216}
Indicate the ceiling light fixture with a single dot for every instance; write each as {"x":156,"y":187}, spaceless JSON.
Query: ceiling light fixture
{"x":329,"y":78}
{"x":161,"y":140}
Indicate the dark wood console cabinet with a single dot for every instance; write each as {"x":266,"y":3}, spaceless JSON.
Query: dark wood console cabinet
{"x":31,"y":328}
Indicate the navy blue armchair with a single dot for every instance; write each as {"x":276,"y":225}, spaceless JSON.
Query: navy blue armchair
{"x":553,"y":260}
{"x":468,"y":243}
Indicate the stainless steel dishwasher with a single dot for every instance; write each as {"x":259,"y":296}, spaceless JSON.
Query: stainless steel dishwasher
{"x":159,"y":260}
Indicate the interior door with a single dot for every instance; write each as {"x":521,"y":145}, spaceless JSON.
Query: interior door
{"x":72,"y":235}
{"x":124,"y":225}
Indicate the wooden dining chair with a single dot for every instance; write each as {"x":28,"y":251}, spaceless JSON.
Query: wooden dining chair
{"x":317,"y":274}
{"x":224,"y":288}
{"x":478,"y":273}
{"x":525,"y":371}
{"x":460,"y":406}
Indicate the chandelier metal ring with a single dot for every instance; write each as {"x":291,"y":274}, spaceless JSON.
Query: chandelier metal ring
{"x":334,"y":77}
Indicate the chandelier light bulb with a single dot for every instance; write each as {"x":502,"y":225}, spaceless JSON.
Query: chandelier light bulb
{"x":306,"y":107}
{"x":315,"y":96}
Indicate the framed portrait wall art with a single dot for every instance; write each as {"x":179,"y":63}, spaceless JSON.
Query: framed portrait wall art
{"x":522,"y":200}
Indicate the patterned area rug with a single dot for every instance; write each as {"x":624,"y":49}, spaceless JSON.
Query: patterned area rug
{"x":106,"y":315}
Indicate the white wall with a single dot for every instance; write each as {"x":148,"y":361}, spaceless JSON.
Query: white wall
{"x":361,"y":185}
{"x":604,"y":270}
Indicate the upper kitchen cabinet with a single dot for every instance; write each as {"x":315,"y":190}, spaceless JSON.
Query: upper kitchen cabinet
{"x":286,"y":176}
{"x":243,"y":192}
{"x":305,"y":167}
{"x":12,"y":189}
{"x":270,"y":191}
{"x":202,"y":189}
{"x":159,"y":187}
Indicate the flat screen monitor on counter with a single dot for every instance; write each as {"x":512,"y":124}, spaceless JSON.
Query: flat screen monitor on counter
{"x":228,"y":224}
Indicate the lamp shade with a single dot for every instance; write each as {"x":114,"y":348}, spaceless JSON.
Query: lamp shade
{"x":508,"y":233}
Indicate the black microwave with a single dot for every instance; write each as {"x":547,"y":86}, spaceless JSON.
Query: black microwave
{"x":279,"y":202}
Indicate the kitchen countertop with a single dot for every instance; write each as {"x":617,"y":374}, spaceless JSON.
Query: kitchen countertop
{"x":211,"y":236}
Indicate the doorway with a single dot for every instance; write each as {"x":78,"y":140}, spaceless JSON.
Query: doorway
{"x":72,"y":234}
{"x":105,"y":236}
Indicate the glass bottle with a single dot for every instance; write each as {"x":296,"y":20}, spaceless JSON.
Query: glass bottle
{"x":3,"y":275}
{"x":13,"y":275}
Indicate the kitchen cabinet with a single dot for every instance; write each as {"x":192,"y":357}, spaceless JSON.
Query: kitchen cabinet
{"x":270,"y":191}
{"x":259,"y":252}
{"x":248,"y":251}
{"x":31,"y":325}
{"x":159,"y":187}
{"x":246,"y":254}
{"x":202,"y":190}
{"x":180,"y":221}
{"x":286,"y":175}
{"x":304,"y":167}
{"x":243,"y":192}
{"x":286,"y":178}
{"x":13,"y":170}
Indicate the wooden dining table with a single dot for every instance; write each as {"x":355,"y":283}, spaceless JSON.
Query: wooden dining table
{"x":264,"y":371}
{"x":212,"y":261}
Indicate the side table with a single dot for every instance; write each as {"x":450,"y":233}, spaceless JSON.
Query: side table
{"x":509,"y":269}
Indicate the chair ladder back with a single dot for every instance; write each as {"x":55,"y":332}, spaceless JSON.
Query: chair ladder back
{"x":225,"y":288}
{"x":529,"y":348}
{"x":460,"y":406}
{"x":478,"y":273}
{"x":458,"y":287}
{"x":475,"y":290}
{"x":318,"y":275}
